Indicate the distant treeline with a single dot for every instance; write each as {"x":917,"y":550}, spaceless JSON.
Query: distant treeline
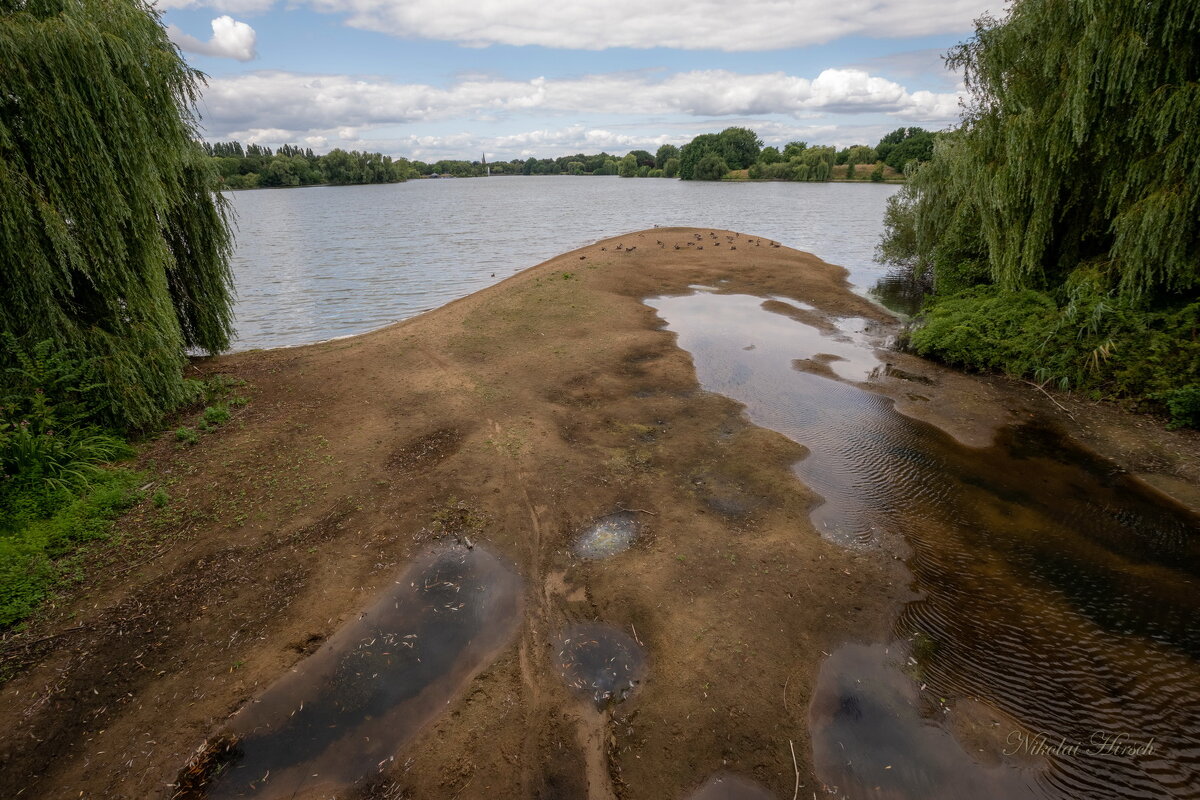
{"x":738,"y":153}
{"x":254,"y":166}
{"x":734,"y":153}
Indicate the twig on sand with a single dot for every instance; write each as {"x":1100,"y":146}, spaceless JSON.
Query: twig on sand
{"x":796,"y":767}
{"x":635,"y":636}
{"x":26,"y":645}
{"x":1042,"y":388}
{"x":785,"y":685}
{"x":637,"y":510}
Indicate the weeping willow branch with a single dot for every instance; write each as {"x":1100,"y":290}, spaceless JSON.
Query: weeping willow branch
{"x":112,"y":244}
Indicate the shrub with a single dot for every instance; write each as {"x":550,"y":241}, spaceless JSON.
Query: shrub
{"x":711,"y":168}
{"x":216,"y":415}
{"x":1084,"y":339}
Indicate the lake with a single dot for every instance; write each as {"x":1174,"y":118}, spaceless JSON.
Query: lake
{"x":326,"y":261}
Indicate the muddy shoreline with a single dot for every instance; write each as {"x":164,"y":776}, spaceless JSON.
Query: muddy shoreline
{"x":516,"y":417}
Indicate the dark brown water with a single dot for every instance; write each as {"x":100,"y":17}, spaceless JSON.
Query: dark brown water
{"x":343,"y":713}
{"x":600,"y":663}
{"x":1055,"y":594}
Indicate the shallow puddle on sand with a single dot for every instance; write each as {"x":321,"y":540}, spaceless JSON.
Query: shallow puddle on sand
{"x":343,"y":713}
{"x":726,"y":786}
{"x":1052,"y":590}
{"x":599,"y":662}
{"x":607,"y":536}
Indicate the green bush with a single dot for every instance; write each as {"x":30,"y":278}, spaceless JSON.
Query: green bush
{"x":1183,"y":404}
{"x":1083,"y":339}
{"x":216,"y":415}
{"x":711,"y":168}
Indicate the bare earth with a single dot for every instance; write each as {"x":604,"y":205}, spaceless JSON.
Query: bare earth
{"x":515,"y":417}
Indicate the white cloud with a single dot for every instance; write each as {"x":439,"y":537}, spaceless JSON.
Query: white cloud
{"x":549,"y":142}
{"x":600,"y":24}
{"x":290,"y":101}
{"x":230,"y":39}
{"x":243,"y":7}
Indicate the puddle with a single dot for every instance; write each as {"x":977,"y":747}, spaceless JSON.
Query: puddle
{"x":726,"y":786}
{"x":878,"y":735}
{"x":608,"y":536}
{"x":600,"y":663}
{"x":343,"y":713}
{"x":1053,"y":589}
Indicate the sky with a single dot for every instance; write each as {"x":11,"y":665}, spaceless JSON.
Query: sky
{"x":434,"y":79}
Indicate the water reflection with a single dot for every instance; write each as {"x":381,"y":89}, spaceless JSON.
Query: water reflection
{"x":902,"y":291}
{"x":345,"y":711}
{"x":1053,"y":590}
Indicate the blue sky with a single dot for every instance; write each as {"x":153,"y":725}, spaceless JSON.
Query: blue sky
{"x":433,"y":79}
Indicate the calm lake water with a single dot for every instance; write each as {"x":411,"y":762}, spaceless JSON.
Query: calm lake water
{"x":321,"y":262}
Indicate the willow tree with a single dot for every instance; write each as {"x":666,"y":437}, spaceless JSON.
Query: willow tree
{"x":113,"y":245}
{"x":1080,"y":146}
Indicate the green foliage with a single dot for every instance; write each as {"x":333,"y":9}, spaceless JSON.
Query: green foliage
{"x":1083,"y":339}
{"x":877,"y":174}
{"x":691,"y":153}
{"x":901,"y":146}
{"x":28,"y":554}
{"x":711,"y":168}
{"x":186,"y":436}
{"x":1082,"y":143}
{"x":794,"y":149}
{"x":49,"y":447}
{"x":644,"y":159}
{"x":112,"y":243}
{"x":1075,"y":179}
{"x":54,"y":488}
{"x":665,"y":153}
{"x":1183,"y":404}
{"x":858,"y":154}
{"x":629,"y":166}
{"x":216,"y":415}
{"x":671,"y":168}
{"x":738,"y":147}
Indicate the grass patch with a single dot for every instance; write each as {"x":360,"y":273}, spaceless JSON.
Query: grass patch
{"x":216,"y":415}
{"x":32,"y":552}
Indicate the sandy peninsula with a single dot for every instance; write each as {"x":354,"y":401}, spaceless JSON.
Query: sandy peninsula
{"x":511,"y":419}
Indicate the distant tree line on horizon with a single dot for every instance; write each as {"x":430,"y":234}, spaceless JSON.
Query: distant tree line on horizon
{"x":255,"y":166}
{"x":734,"y":153}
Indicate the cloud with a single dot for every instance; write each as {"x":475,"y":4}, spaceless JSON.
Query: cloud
{"x":643,"y":24}
{"x":230,"y":39}
{"x":291,"y":101}
{"x":243,"y":7}
{"x":549,"y":142}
